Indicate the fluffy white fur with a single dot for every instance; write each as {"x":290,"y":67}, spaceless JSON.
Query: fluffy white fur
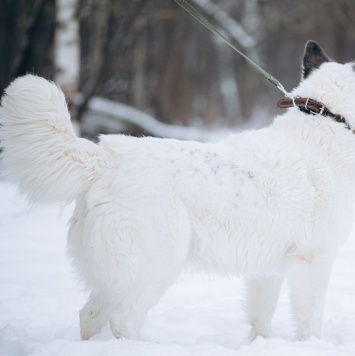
{"x":268,"y":204}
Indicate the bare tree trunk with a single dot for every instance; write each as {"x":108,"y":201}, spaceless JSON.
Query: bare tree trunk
{"x":106,"y":42}
{"x":26,"y":39}
{"x":67,"y":50}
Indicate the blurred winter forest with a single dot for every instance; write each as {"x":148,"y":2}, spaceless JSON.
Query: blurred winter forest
{"x":146,"y":67}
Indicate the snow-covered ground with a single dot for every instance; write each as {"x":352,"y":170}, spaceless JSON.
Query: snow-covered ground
{"x":199,"y":316}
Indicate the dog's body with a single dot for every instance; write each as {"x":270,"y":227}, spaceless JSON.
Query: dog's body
{"x":265,"y":204}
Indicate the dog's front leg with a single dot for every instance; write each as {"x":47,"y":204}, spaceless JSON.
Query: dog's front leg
{"x":262,"y":296}
{"x":308,"y":281}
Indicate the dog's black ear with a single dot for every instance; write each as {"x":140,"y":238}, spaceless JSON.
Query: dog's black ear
{"x":313,"y":57}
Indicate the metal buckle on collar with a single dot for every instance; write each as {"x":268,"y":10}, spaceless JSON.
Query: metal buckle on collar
{"x":322,"y":110}
{"x":313,"y":108}
{"x":305,"y":105}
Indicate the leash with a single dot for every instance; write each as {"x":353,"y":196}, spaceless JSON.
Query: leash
{"x":306,"y":105}
{"x":194,"y":13}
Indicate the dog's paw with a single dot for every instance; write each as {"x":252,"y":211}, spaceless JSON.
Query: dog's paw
{"x":257,"y":330}
{"x":125,"y":325}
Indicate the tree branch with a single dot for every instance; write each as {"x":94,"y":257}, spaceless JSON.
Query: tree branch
{"x":108,"y":111}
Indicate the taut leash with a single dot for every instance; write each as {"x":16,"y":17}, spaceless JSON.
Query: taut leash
{"x":193,"y":12}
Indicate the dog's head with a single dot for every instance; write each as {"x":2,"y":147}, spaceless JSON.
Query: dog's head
{"x":328,"y":82}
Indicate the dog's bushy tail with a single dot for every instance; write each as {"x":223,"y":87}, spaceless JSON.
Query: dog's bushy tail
{"x":41,"y":152}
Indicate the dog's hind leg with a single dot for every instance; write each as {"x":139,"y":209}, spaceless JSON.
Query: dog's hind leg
{"x":128,"y":316}
{"x":308,"y":282}
{"x":145,"y":279}
{"x":135,"y":257}
{"x":262,"y":297}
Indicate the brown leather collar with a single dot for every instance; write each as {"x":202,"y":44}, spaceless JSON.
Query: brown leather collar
{"x":311,"y":106}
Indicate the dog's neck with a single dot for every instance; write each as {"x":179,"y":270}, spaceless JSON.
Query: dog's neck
{"x":313,"y":107}
{"x":321,"y":138}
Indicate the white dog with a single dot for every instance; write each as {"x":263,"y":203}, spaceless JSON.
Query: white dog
{"x":268,"y":204}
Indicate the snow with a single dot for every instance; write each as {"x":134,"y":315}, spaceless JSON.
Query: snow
{"x":199,"y":315}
